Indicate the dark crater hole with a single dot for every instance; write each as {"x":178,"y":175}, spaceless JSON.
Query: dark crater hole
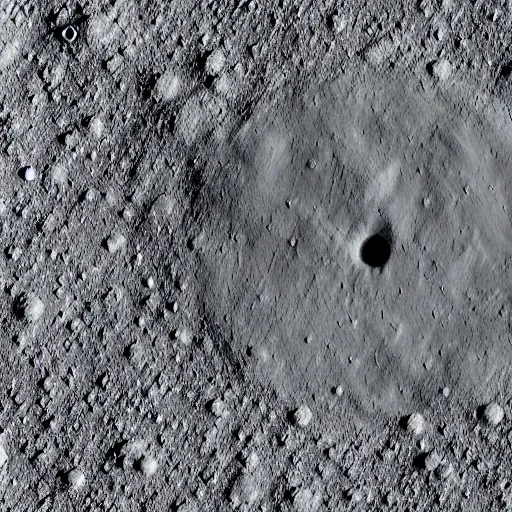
{"x":69,"y":34}
{"x":375,"y":251}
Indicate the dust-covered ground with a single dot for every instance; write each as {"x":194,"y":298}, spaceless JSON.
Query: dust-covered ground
{"x":256,"y":256}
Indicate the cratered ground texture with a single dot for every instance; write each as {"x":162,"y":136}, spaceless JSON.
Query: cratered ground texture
{"x":255,"y":255}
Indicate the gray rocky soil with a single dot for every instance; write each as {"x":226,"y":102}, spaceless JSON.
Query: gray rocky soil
{"x":255,"y":255}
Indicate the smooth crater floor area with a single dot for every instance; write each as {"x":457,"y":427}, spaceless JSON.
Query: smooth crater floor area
{"x":302,"y":244}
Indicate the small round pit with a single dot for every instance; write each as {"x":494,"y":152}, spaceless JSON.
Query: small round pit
{"x":69,"y":34}
{"x":375,"y":251}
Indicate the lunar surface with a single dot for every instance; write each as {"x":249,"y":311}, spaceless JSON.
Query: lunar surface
{"x":256,"y":256}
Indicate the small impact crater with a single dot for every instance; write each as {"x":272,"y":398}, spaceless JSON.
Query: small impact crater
{"x":375,"y":251}
{"x":69,"y":34}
